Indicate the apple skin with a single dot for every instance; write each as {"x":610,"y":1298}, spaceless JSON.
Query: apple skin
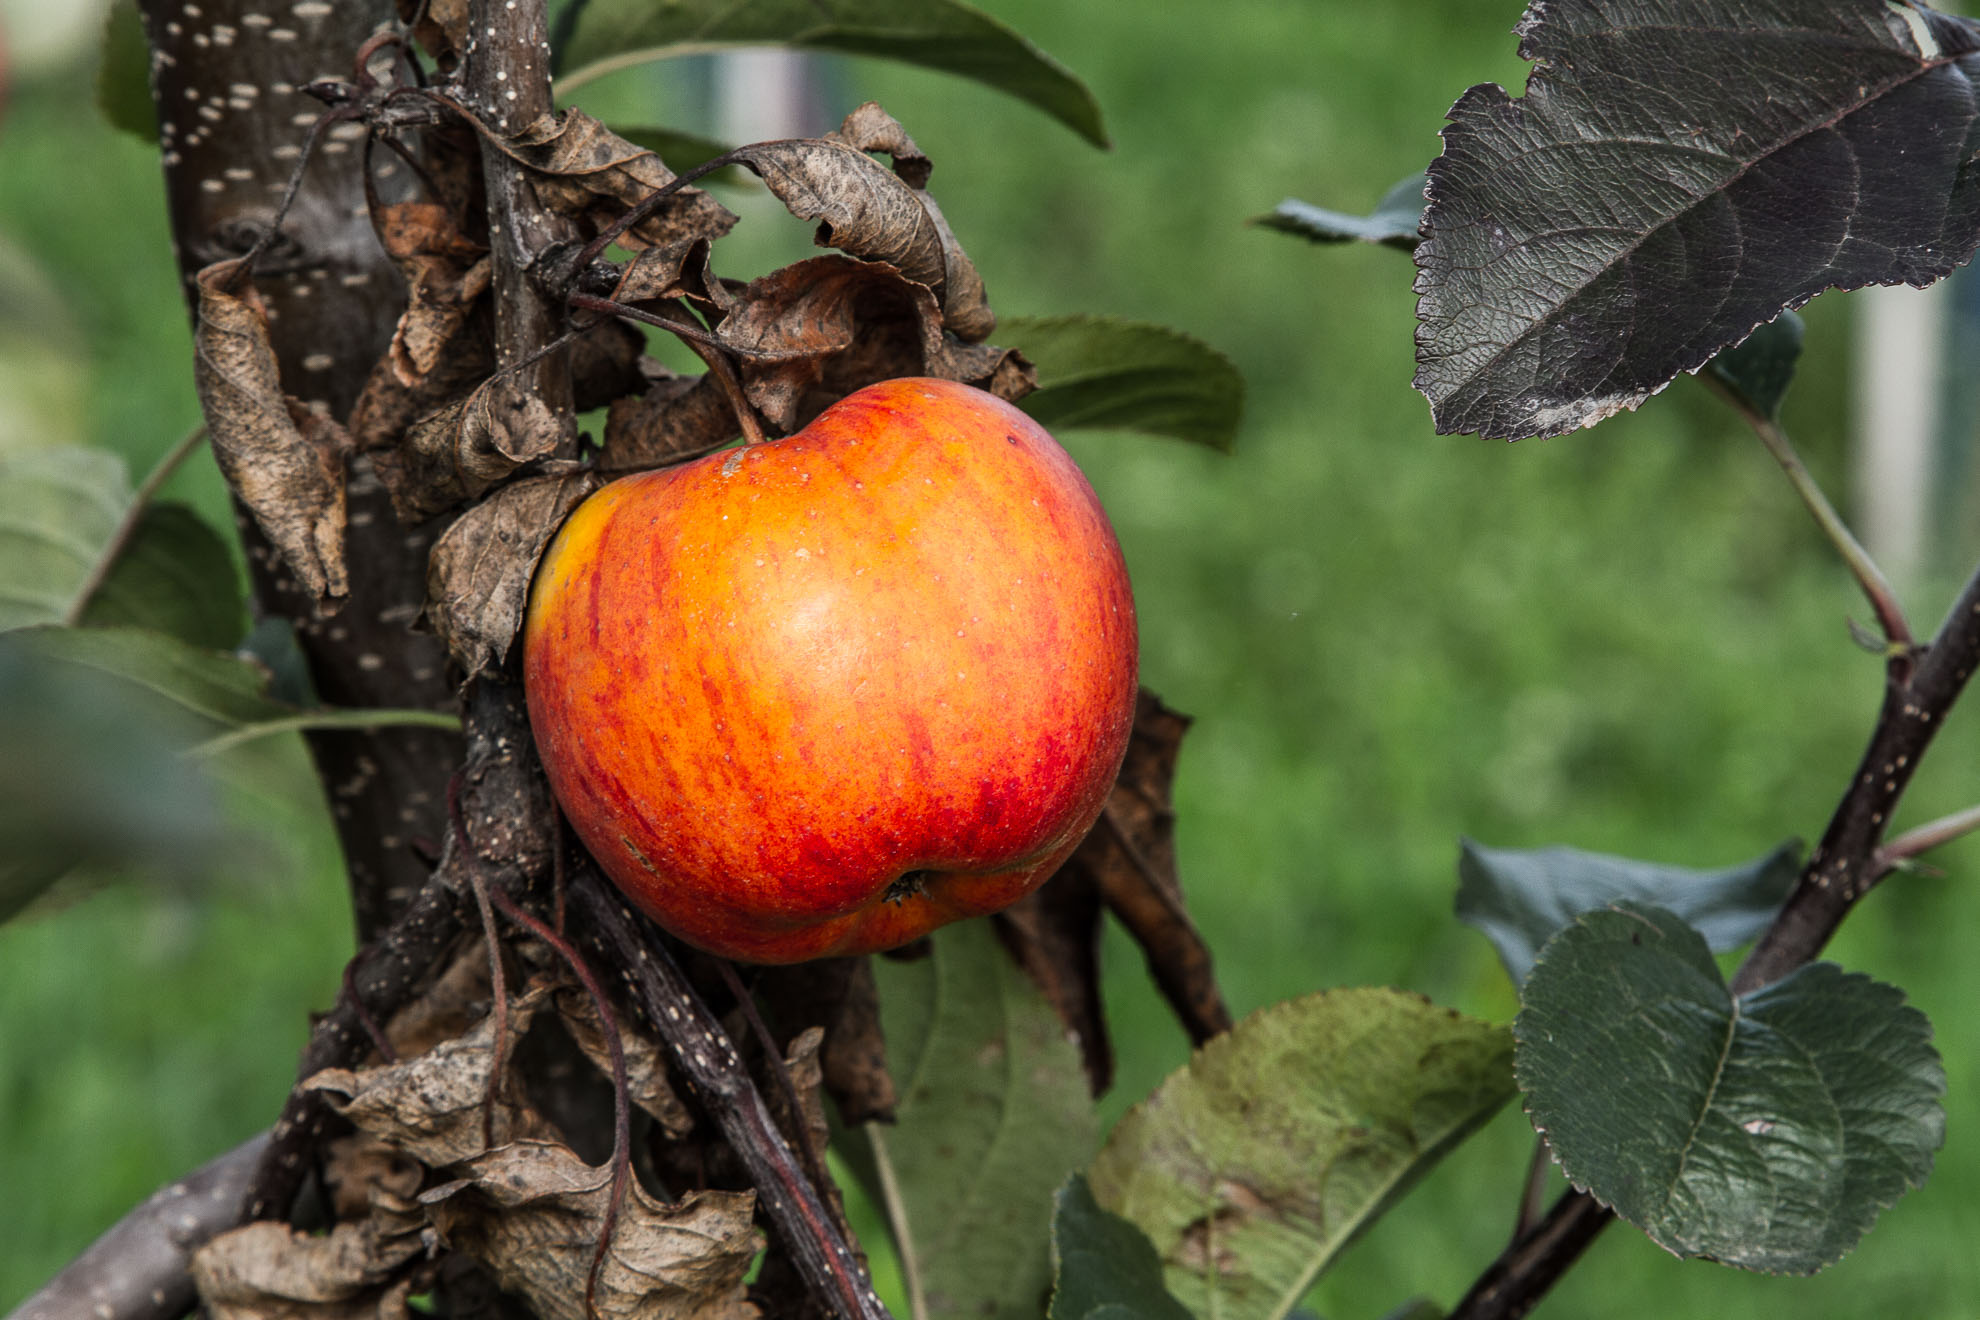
{"x":820,"y":695}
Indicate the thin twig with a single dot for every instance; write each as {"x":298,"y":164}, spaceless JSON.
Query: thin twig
{"x":1917,"y":842}
{"x":615,"y":1047}
{"x":1877,"y":588}
{"x":1921,"y":687}
{"x":706,"y":1057}
{"x":127,"y":525}
{"x":779,"y":1071}
{"x":497,"y":976}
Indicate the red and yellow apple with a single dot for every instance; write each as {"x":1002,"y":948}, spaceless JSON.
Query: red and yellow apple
{"x":820,"y":695}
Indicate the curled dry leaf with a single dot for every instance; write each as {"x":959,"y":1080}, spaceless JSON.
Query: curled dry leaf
{"x":837,"y":994}
{"x":454,"y":1002}
{"x":445,"y":273}
{"x":477,"y":578}
{"x":1054,"y":934}
{"x":469,"y":445}
{"x":816,"y":330}
{"x":431,"y":1107}
{"x":678,"y":418}
{"x":588,"y":172}
{"x":1131,"y":855}
{"x":269,"y":1271}
{"x":284,"y":462}
{"x":359,"y":1169}
{"x":868,"y":211}
{"x":646,"y":1062}
{"x":532,"y":1213}
{"x":673,"y":270}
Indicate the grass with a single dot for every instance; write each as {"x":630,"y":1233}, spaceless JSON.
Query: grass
{"x":1628,"y":640}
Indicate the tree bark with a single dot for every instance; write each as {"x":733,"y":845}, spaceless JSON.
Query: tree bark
{"x":227,"y":79}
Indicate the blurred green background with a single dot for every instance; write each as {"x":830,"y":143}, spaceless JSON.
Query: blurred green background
{"x":1630,"y":640}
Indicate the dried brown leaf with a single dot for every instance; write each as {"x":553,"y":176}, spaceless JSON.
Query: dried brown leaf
{"x":287,"y":469}
{"x":826,"y":326}
{"x":269,"y":1271}
{"x":646,"y":1063}
{"x":862,"y":208}
{"x":532,"y":1213}
{"x":431,"y":1107}
{"x":867,"y":211}
{"x":673,"y":270}
{"x":359,"y":1169}
{"x":839,"y":995}
{"x":677,"y":418}
{"x":454,"y":1002}
{"x":1054,"y":934}
{"x":477,"y":578}
{"x":445,"y":271}
{"x":1132,"y":856}
{"x":456,"y":453}
{"x":605,"y":365}
{"x":387,"y":406}
{"x":593,"y":175}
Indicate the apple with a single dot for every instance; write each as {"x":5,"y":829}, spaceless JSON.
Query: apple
{"x":819,"y":695}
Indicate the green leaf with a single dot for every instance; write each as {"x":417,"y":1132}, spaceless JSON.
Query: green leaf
{"x":1520,"y":897}
{"x":123,"y":74}
{"x":1758,"y":370}
{"x":1098,"y":371}
{"x":61,"y":508}
{"x":1290,"y":1134}
{"x":994,"y":1114}
{"x":1765,"y":1132}
{"x":92,"y":774}
{"x":215,"y":686}
{"x":681,"y":152}
{"x":606,"y":35}
{"x":58,"y":508}
{"x":1392,"y":223}
{"x":1103,"y":1267}
{"x":176,"y":576}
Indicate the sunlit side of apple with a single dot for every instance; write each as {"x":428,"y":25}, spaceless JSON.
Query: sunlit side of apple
{"x":821,"y":695}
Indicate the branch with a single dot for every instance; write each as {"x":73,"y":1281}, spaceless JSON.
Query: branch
{"x":1920,"y":689}
{"x":704,"y":1054}
{"x":137,"y":1269}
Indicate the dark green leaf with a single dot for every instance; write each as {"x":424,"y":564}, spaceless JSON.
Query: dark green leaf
{"x":1103,"y":1267}
{"x":1766,"y":1132}
{"x":1758,"y":371}
{"x":123,"y":74}
{"x":1590,"y":241}
{"x":1291,"y":1133}
{"x":605,"y":35}
{"x":215,"y":686}
{"x":1393,"y":222}
{"x":1520,"y":897}
{"x":681,"y":152}
{"x":60,"y":509}
{"x":92,"y":774}
{"x":1098,"y":371}
{"x":176,"y":576}
{"x":994,"y":1114}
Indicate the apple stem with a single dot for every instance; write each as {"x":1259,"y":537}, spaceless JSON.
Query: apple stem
{"x":708,"y":347}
